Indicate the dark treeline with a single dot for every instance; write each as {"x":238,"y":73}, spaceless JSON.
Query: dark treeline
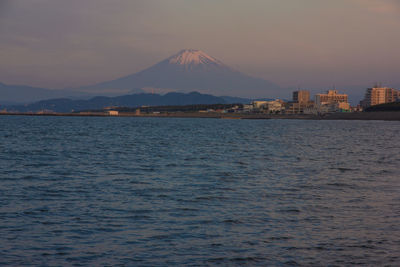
{"x":134,"y":100}
{"x":176,"y":108}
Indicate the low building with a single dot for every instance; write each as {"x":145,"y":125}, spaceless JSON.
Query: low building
{"x":331,"y":97}
{"x":113,"y":112}
{"x":334,"y":107}
{"x":275,"y":106}
{"x":298,"y":107}
{"x":259,"y":104}
{"x":357,"y":108}
{"x":343,"y":106}
{"x":247,"y":108}
{"x":45,"y":111}
{"x":332,"y":101}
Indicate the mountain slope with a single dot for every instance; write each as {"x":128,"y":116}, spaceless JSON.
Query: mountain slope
{"x":193,"y":70}
{"x":26,"y":94}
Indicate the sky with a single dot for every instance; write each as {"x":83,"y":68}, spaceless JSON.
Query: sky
{"x":294,"y":43}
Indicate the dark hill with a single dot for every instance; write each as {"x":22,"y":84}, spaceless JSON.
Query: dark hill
{"x":135,"y":100}
{"x":394,"y":106}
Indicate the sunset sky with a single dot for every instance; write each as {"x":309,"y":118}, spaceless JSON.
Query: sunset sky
{"x":307,"y":43}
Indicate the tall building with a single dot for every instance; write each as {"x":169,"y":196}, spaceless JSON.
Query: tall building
{"x":301,"y":101}
{"x":301,"y":96}
{"x":380,"y":95}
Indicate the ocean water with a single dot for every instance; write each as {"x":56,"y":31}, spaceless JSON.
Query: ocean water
{"x":113,"y":191}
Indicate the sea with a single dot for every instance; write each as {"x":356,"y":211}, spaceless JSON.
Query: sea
{"x":119,"y":191}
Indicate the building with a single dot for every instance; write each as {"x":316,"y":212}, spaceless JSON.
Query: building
{"x":113,"y":112}
{"x":332,"y":101}
{"x":247,"y":108}
{"x":275,"y":106}
{"x":301,"y":101}
{"x":259,"y":104}
{"x":380,"y":95}
{"x":301,"y":96}
{"x":331,"y":97}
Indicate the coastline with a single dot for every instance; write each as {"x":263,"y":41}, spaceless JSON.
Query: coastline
{"x":383,"y":115}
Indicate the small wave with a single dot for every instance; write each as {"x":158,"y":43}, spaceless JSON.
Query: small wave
{"x":107,"y":230}
{"x":210,"y":198}
{"x":247,"y":259}
{"x":171,"y":165}
{"x":289,"y":210}
{"x":188,"y":209}
{"x":343,"y":169}
{"x":225,"y":174}
{"x":50,"y":223}
{"x":232,"y":221}
{"x":278,"y":238}
{"x":239,"y":260}
{"x":338,"y":184}
{"x":292,"y":263}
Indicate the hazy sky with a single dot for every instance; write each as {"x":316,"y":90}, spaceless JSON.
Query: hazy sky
{"x":310,"y":43}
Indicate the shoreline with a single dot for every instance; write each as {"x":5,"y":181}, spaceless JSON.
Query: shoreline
{"x":382,"y":115}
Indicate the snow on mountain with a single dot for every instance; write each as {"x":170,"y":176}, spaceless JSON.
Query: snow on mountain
{"x":190,"y":57}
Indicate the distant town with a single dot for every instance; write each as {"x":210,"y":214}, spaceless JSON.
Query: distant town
{"x":330,"y":105}
{"x":330,"y":102}
{"x":324,"y":103}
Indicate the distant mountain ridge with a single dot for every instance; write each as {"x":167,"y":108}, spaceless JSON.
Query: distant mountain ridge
{"x":134,"y":100}
{"x":13,"y":94}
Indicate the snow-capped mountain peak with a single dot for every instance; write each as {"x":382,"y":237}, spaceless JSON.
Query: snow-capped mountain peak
{"x":193,"y":57}
{"x":193,"y":70}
